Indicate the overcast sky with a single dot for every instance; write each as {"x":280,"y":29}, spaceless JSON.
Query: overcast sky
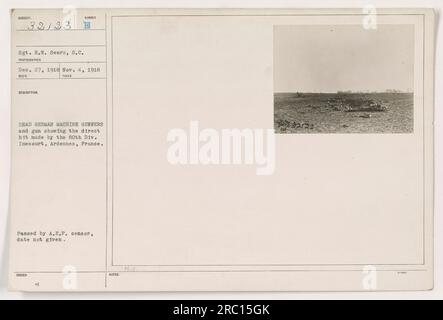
{"x":333,"y":58}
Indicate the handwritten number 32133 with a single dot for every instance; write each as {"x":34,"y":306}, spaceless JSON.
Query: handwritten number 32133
{"x":58,"y":25}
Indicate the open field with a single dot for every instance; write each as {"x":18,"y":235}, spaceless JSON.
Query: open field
{"x":343,"y":113}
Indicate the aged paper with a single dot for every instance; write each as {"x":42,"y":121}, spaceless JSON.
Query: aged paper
{"x":222,"y":150}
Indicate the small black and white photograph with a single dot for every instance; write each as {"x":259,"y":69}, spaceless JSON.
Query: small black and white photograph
{"x":343,"y":79}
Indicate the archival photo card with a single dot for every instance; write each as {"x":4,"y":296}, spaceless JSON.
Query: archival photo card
{"x":222,"y":150}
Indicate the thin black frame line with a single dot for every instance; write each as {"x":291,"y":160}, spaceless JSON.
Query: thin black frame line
{"x":60,"y":30}
{"x":264,"y":15}
{"x":101,"y":78}
{"x":112,"y":140}
{"x":266,"y":264}
{"x":59,"y":46}
{"x":37,"y":62}
{"x":106,"y":150}
{"x":213,"y":271}
{"x":424,"y":141}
